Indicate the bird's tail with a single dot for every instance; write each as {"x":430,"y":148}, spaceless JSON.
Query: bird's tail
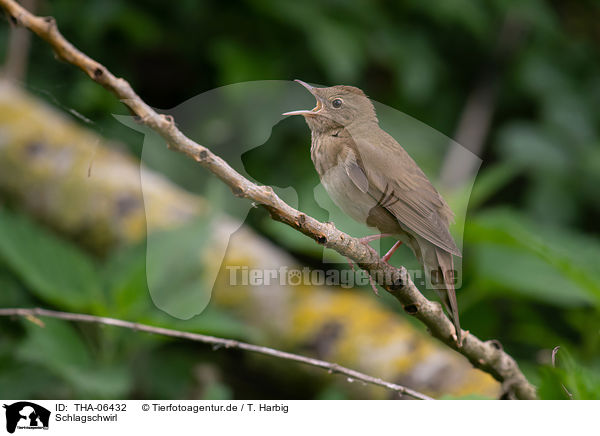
{"x":443,"y":274}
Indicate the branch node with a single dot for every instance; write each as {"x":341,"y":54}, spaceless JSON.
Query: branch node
{"x":397,"y":283}
{"x":495,"y":343}
{"x":169,"y":119}
{"x":51,"y":23}
{"x":202,"y":156}
{"x":333,"y":368}
{"x":238,"y":191}
{"x":122,"y":84}
{"x":300,"y":220}
{"x":98,"y":72}
{"x":411,"y":309}
{"x":269,"y":191}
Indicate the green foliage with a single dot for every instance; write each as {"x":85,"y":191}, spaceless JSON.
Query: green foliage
{"x":88,"y":361}
{"x":58,"y":348}
{"x":547,"y":263}
{"x":569,"y":380}
{"x":176,"y":283}
{"x":56,"y":271}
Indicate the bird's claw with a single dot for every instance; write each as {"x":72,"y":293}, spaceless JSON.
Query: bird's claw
{"x":465,"y":333}
{"x":368,"y":239}
{"x":373,"y":285}
{"x":365,"y":241}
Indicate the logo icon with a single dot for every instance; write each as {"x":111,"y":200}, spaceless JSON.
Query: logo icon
{"x":26,"y":415}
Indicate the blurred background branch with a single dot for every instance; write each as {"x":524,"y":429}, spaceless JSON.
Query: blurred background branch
{"x":476,"y":117}
{"x":17,"y":56}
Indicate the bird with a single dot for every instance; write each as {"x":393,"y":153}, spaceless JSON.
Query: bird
{"x":371,"y":178}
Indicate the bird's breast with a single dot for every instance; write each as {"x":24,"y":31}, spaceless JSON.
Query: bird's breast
{"x":344,"y":193}
{"x":325,"y":151}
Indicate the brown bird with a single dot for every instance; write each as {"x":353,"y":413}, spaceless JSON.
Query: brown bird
{"x":373,"y":179}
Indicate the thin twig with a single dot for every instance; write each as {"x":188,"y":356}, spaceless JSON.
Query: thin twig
{"x":486,"y":355}
{"x":554,"y":352}
{"x":332,"y":368}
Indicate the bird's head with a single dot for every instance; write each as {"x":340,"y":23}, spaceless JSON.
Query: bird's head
{"x":337,"y":106}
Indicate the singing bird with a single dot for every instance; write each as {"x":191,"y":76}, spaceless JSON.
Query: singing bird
{"x":370,"y":177}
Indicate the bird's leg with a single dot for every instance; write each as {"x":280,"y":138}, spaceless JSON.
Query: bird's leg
{"x":373,"y":285}
{"x":385,"y":259}
{"x":366,"y":240}
{"x":389,"y":254}
{"x":371,"y":281}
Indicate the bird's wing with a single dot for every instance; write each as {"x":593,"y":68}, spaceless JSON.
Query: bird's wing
{"x":397,"y":183}
{"x":353,"y":169}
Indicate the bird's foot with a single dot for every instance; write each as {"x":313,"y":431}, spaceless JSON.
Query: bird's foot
{"x":389,"y":254}
{"x":373,"y":285}
{"x":371,"y":281}
{"x":459,"y":344}
{"x":366,"y":240}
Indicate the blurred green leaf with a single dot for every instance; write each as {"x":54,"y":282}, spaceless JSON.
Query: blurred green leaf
{"x":546,"y":263}
{"x":490,"y":181}
{"x":336,"y":45}
{"x":55,"y":270}
{"x":512,"y":270}
{"x":124,"y":274}
{"x":60,"y":349}
{"x":176,"y":366}
{"x":174,"y":264}
{"x":569,"y":380}
{"x":129,"y":299}
{"x":217,"y":391}
{"x":332,"y":392}
{"x":13,"y":294}
{"x":24,"y":380}
{"x":527,"y":145}
{"x":463,"y":14}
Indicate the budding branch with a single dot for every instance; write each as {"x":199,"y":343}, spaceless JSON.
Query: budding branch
{"x":352,"y":375}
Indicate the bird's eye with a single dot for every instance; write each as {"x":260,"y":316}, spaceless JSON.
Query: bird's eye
{"x":337,"y":103}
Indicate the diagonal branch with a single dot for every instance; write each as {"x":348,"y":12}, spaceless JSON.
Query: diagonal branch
{"x":215,"y":342}
{"x":485,"y":355}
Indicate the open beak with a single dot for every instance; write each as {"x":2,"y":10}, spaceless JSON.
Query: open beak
{"x":313,"y":111}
